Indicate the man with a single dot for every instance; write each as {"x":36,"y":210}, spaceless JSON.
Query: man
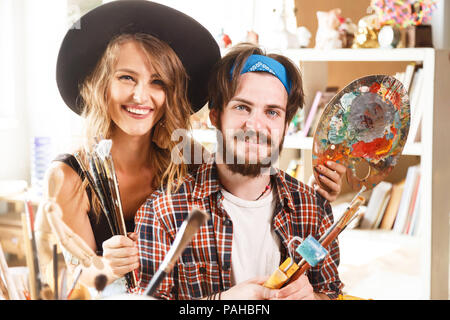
{"x":255,"y":210}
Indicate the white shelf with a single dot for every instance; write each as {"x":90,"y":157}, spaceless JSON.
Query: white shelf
{"x":374,"y":261}
{"x":406,"y":54}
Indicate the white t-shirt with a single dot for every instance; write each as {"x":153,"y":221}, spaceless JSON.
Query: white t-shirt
{"x":255,"y":246}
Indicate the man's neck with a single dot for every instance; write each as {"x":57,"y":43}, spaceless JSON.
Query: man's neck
{"x":246,"y":188}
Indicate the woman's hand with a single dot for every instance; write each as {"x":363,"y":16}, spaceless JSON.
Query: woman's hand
{"x":121,"y":254}
{"x":330,"y":180}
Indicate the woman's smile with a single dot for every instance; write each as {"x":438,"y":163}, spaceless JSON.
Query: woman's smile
{"x":137,"y":112}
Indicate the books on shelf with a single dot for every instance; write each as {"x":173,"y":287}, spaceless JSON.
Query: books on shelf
{"x":413,"y":80}
{"x":320,"y":101}
{"x":376,"y":206}
{"x":409,"y":75}
{"x":312,"y":113}
{"x":395,"y":206}
{"x":392,"y":208}
{"x":411,"y":182}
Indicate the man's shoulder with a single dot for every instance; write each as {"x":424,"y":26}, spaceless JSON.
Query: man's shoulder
{"x":182,"y":190}
{"x":298,"y":189}
{"x":295,"y":185}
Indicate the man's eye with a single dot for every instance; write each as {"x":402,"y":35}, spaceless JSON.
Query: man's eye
{"x":273,"y":113}
{"x":241,"y":108}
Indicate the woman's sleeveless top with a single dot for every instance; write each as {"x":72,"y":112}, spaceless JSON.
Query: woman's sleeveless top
{"x":99,"y":224}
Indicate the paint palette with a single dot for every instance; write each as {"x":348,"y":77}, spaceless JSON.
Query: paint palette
{"x":364,"y":127}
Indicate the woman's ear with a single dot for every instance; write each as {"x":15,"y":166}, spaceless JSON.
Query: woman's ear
{"x":160,"y":135}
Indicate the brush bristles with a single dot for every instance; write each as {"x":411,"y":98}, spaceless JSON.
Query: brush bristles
{"x":102,"y":179}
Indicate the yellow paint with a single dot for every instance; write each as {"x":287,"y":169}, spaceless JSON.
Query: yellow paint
{"x":279,"y":277}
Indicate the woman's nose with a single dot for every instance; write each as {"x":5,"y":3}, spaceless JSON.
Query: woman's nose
{"x":140,"y":94}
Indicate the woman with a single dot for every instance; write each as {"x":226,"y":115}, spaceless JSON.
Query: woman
{"x":119,"y":72}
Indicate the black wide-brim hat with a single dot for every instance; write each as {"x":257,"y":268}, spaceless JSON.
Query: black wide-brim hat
{"x":86,"y":41}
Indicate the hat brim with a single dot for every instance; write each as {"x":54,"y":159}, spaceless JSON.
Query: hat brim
{"x":86,"y":41}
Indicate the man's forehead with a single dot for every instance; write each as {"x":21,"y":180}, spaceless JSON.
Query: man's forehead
{"x":257,"y":87}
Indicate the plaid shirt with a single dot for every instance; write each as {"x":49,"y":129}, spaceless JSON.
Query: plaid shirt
{"x":205,"y":266}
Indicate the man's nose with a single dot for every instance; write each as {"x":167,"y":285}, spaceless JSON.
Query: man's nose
{"x":254,"y":121}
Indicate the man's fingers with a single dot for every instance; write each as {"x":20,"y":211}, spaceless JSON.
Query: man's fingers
{"x":341,"y":169}
{"x":329,"y":173}
{"x":330,"y":184}
{"x":258,"y":280}
{"x":299,"y":289}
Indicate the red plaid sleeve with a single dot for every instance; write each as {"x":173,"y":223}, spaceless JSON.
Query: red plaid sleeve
{"x":324,"y":277}
{"x":154,"y":241}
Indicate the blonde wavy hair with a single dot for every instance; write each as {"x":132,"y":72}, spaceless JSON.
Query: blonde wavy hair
{"x":98,"y":123}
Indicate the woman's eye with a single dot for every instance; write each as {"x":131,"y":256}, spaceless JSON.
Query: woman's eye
{"x":126,"y":77}
{"x":158,"y":82}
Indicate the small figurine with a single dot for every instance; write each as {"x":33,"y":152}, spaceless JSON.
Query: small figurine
{"x":224,"y":40}
{"x":367,"y":34}
{"x":303,"y":37}
{"x":347,"y":31}
{"x":252,"y":37}
{"x":327,"y":36}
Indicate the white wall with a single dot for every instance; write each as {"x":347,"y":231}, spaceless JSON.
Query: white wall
{"x":441,"y":25}
{"x":39,"y":110}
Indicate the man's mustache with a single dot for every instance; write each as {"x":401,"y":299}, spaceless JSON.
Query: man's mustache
{"x":244,"y":136}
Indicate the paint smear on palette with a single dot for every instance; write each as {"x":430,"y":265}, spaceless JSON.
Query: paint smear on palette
{"x":364,"y":126}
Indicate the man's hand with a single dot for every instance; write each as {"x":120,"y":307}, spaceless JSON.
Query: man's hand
{"x":249,"y":290}
{"x":299,"y":288}
{"x":121,"y":254}
{"x":330,"y":177}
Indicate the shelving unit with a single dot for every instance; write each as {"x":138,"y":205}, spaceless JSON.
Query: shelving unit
{"x":433,"y":150}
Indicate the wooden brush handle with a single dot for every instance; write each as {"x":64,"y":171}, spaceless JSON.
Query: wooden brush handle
{"x":325,"y":243}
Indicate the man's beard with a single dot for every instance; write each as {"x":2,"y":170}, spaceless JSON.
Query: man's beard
{"x":237,"y":162}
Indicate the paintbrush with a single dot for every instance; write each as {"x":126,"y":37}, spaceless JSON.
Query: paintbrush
{"x":55,"y":272}
{"x":93,"y":186}
{"x":101,"y":193}
{"x":100,"y":283}
{"x":3,"y":288}
{"x":290,"y":270}
{"x":30,"y":217}
{"x":10,"y":285}
{"x":78,"y":272}
{"x":103,"y":151}
{"x":184,"y":235}
{"x":334,"y":231}
{"x":63,"y":286}
{"x":46,"y":293}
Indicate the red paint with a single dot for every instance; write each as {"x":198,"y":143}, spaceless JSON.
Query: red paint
{"x":371,"y":149}
{"x":375,"y":87}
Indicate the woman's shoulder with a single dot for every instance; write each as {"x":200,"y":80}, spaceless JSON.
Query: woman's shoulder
{"x":62,"y":180}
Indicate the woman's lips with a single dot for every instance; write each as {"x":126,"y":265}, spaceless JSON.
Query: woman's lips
{"x":137,"y":112}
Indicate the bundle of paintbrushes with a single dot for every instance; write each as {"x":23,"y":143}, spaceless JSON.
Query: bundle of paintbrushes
{"x":102,"y":179}
{"x":313,"y":251}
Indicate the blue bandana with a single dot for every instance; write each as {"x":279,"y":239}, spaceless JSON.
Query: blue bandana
{"x":260,"y":63}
